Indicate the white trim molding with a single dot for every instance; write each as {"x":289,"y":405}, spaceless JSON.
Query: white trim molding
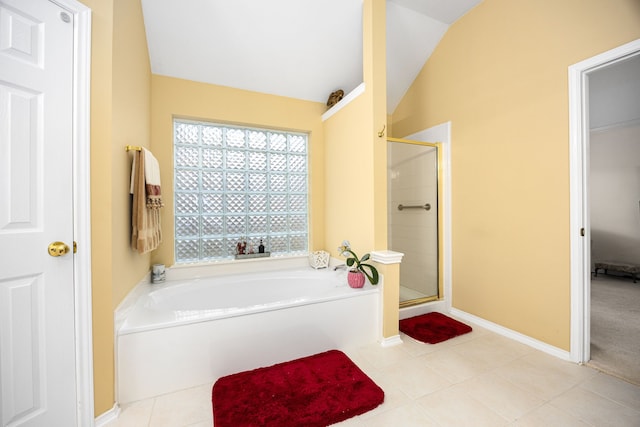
{"x":427,"y":307}
{"x":81,"y":210}
{"x":390,"y":341}
{"x":359,"y":90}
{"x":580,"y":233}
{"x":111,"y":415}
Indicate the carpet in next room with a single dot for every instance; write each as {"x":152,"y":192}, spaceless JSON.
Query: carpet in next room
{"x":317,"y":390}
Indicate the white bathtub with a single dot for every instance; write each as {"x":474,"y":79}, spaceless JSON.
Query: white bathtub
{"x":189,"y":332}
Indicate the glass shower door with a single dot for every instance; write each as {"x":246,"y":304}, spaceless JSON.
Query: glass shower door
{"x":412,"y":182}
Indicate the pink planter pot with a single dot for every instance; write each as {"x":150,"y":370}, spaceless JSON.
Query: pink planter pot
{"x":355,"y":279}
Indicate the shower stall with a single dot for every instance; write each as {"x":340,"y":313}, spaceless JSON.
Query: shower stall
{"x":414,"y":217}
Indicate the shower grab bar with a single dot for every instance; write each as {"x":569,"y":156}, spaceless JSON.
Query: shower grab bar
{"x":426,"y":207}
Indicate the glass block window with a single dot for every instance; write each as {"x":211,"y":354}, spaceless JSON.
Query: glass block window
{"x":235,"y":184}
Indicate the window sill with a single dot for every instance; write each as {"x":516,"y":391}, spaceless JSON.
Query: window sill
{"x":235,"y":266}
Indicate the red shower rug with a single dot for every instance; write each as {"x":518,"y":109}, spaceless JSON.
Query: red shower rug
{"x":433,"y":327}
{"x":317,"y":390}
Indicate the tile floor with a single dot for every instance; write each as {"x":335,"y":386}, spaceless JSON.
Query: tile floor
{"x":478,"y":379}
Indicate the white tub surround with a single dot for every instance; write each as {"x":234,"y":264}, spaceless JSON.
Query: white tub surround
{"x":185,"y":333}
{"x":389,"y":266}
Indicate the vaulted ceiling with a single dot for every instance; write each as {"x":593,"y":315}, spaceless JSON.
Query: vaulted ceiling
{"x":296,"y":48}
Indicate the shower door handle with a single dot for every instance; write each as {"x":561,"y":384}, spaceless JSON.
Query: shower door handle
{"x":426,"y":207}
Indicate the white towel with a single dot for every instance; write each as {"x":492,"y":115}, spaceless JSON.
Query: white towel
{"x":151,"y":180}
{"x":151,"y":169}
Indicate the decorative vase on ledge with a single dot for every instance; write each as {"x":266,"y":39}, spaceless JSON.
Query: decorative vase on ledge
{"x":355,"y":279}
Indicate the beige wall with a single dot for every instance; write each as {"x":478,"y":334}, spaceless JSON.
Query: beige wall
{"x":349,"y":176}
{"x":120,"y":84}
{"x":131,"y":125}
{"x":500,"y":75}
{"x":356,"y":165}
{"x":374,"y":59}
{"x":173,"y":97}
{"x":101,"y":263}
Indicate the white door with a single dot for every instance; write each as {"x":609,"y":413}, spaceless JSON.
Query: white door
{"x":37,"y":347}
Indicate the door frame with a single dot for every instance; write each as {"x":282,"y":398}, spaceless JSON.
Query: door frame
{"x":442,"y":134}
{"x":439,"y":219}
{"x":82,"y":208}
{"x":580,"y":230}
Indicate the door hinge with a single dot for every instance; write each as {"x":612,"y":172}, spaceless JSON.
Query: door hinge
{"x":582,"y":232}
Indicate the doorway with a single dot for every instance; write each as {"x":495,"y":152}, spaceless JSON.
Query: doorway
{"x":413,"y":212}
{"x":614,"y":207}
{"x":588,"y":243}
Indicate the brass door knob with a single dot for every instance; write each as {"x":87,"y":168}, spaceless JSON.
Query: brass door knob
{"x":58,"y":249}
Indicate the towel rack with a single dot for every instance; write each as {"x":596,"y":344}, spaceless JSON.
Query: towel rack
{"x":132,"y":147}
{"x":426,"y":207}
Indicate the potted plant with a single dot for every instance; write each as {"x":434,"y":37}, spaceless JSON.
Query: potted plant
{"x":357,"y":267}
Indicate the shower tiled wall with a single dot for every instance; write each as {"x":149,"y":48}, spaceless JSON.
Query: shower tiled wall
{"x":412,"y":180}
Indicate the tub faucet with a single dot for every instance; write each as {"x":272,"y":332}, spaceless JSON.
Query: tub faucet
{"x":340,"y":266}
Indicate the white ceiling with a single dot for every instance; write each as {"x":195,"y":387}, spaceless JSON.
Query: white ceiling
{"x":296,"y":48}
{"x":614,"y":93}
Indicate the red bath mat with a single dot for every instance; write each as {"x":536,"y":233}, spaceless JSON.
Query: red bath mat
{"x":317,"y":390}
{"x":433,"y":327}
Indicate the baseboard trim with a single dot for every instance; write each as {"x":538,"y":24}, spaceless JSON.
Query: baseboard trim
{"x":391,"y":341}
{"x":111,"y":415}
{"x":516,"y":336}
{"x":427,"y":307}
